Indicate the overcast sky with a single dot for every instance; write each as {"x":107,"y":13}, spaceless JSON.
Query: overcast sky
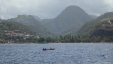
{"x":51,"y":8}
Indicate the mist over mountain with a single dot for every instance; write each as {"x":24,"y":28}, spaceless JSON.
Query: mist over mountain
{"x":56,"y":21}
{"x":71,"y":18}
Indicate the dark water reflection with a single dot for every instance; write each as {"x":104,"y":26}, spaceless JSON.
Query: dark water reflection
{"x":63,"y":54}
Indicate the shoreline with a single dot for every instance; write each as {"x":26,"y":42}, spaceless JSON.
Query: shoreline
{"x":60,"y":43}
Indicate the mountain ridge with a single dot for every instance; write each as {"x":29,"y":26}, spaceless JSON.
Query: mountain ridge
{"x":72,"y":16}
{"x":92,"y":26}
{"x":31,"y":21}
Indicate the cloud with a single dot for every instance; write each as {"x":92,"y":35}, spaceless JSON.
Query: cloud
{"x":10,"y":8}
{"x":110,"y":4}
{"x":51,"y":8}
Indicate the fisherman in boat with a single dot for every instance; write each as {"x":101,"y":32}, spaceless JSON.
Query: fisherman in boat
{"x":52,"y":49}
{"x":44,"y":49}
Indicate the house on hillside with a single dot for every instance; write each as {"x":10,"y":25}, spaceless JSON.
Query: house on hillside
{"x":17,"y":33}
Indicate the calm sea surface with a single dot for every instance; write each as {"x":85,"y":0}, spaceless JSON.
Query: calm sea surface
{"x":63,"y":54}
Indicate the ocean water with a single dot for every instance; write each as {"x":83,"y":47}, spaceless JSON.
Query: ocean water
{"x":83,"y":53}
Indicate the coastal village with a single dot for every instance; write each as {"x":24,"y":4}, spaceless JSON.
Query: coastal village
{"x":17,"y":34}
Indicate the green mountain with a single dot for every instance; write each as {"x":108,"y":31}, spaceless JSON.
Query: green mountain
{"x":73,"y":17}
{"x":31,"y":21}
{"x":6,"y":25}
{"x":101,"y":26}
{"x":0,"y":20}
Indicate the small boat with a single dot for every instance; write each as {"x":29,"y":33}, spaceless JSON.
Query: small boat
{"x":52,"y":48}
{"x":44,"y":49}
